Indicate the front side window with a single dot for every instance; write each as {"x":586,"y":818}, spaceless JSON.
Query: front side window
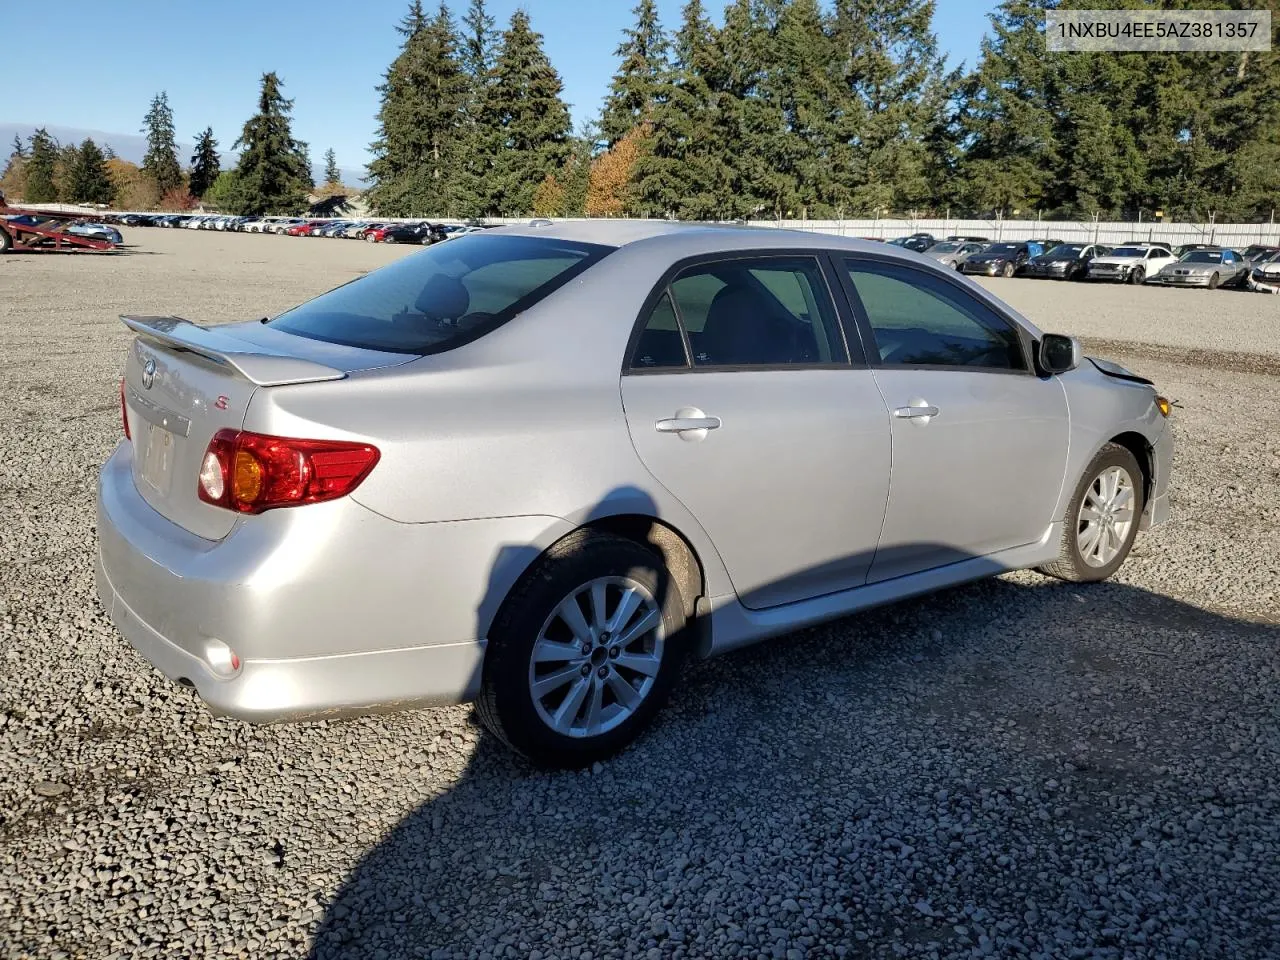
{"x":922,"y":320}
{"x":447,"y":295}
{"x":771,"y":311}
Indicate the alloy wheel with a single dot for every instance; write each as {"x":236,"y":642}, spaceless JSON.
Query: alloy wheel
{"x":597,"y":657}
{"x":1106,"y":517}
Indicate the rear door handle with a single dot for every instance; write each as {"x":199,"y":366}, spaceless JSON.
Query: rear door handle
{"x":686,"y":424}
{"x":912,"y":413}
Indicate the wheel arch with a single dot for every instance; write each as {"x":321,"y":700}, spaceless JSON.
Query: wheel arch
{"x":1142,"y":451}
{"x":678,"y":554}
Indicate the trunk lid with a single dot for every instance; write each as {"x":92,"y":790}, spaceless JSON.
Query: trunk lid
{"x":185,"y":382}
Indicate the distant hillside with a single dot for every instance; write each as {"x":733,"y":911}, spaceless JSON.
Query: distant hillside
{"x":133,"y":147}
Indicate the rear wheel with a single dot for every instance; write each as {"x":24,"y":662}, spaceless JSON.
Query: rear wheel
{"x":584,"y":651}
{"x":5,"y":242}
{"x":1214,"y":281}
{"x":1102,"y":518}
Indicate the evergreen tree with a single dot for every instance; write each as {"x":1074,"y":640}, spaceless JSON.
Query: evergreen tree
{"x":575,"y":178}
{"x":1008,"y":120}
{"x":640,"y":75}
{"x":479,"y":41}
{"x":746,"y":184}
{"x":679,"y":174}
{"x":40,"y":168}
{"x":414,"y":170}
{"x":205,"y":165}
{"x":89,"y":181}
{"x":332,"y":175}
{"x":273,"y":174}
{"x":524,"y":123}
{"x":161,"y":161}
{"x":889,"y":58}
{"x":109,"y":151}
{"x":19,"y":148}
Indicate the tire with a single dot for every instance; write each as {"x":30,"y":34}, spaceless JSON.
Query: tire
{"x":1074,"y":563}
{"x":529,"y":619}
{"x":1214,"y":281}
{"x":1137,"y":276}
{"x":956,"y":266}
{"x":6,"y":242}
{"x":370,"y":238}
{"x":1008,"y":270}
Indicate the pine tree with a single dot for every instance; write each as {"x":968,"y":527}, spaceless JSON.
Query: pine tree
{"x":678,"y":175}
{"x":746,"y":184}
{"x":1008,"y":115}
{"x":640,"y":75}
{"x":273,"y":174}
{"x":19,"y":148}
{"x":161,"y":161}
{"x":89,"y":181}
{"x":889,"y":58}
{"x":479,"y":41}
{"x":413,"y":170}
{"x":524,"y":123}
{"x":332,"y":175}
{"x":40,"y":168}
{"x":205,"y":165}
{"x":575,"y":177}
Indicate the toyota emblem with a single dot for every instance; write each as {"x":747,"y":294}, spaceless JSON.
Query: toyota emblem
{"x":148,"y":373}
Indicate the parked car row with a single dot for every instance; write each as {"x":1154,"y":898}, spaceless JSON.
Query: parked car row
{"x":373,"y":231}
{"x":1137,"y":261}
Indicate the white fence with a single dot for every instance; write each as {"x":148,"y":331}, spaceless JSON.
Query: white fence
{"x":1111,"y":233}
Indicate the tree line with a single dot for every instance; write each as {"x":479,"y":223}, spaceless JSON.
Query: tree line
{"x":800,"y":108}
{"x":272,"y":173}
{"x":787,"y":109}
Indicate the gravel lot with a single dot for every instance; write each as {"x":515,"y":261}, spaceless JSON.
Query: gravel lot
{"x":1018,"y":768}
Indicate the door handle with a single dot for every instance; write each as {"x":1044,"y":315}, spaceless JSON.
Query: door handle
{"x":918,"y":410}
{"x":685,"y":424}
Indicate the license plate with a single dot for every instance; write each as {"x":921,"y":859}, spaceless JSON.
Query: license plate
{"x":157,"y":462}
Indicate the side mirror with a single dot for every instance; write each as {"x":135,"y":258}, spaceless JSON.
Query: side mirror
{"x":1059,"y":354}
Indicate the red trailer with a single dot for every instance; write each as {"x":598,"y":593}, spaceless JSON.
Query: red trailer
{"x":44,"y":231}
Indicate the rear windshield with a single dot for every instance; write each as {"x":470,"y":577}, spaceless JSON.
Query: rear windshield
{"x":447,"y":295}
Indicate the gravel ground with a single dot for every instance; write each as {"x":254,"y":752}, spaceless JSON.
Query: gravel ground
{"x":1017,"y":768}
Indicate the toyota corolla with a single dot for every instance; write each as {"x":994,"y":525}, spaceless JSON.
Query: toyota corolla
{"x":539,"y":466}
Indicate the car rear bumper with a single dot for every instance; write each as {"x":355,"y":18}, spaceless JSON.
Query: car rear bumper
{"x":331,"y":608}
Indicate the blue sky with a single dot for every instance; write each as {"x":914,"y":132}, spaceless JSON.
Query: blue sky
{"x":330,"y":53}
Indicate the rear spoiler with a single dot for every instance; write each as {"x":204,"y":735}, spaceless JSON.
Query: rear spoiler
{"x":262,"y":369}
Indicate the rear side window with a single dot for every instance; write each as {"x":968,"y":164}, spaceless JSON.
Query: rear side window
{"x":447,"y":295}
{"x":758,"y":312}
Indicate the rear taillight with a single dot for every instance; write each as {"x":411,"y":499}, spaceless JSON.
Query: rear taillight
{"x":124,"y":412}
{"x":252,"y":472}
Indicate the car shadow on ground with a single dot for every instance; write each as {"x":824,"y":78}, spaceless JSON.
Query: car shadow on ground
{"x":809,"y":793}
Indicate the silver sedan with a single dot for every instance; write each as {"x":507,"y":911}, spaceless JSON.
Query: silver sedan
{"x":538,"y":467}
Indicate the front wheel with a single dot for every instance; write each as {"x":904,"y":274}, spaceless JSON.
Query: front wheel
{"x":5,"y":242}
{"x":1008,"y":269}
{"x":583,"y":652}
{"x":1137,"y":276}
{"x":1102,"y":518}
{"x":1213,"y":282}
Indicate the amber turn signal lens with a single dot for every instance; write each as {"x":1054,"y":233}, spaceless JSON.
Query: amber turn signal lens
{"x":246,"y":479}
{"x":1163,"y":405}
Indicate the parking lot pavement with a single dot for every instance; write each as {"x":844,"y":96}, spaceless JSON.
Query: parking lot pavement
{"x":1017,"y":767}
